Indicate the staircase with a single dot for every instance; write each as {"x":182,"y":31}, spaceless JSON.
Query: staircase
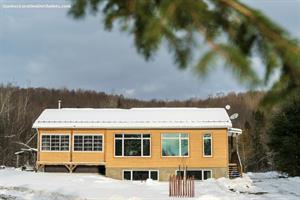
{"x":233,"y":171}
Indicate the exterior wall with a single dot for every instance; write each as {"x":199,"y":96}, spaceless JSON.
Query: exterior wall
{"x":218,"y":163}
{"x":89,"y":157}
{"x":195,"y":159}
{"x":71,"y":155}
{"x":53,"y":156}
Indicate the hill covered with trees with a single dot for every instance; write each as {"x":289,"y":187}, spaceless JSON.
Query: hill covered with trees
{"x":19,"y":107}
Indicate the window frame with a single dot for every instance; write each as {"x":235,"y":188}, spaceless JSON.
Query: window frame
{"x":202,"y":173}
{"x":87,"y":134}
{"x":54,"y":134}
{"x":172,"y":138}
{"x":211,"y":146}
{"x":123,"y":145}
{"x":144,"y":170}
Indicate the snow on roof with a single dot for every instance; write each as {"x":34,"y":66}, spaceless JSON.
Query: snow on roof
{"x":134,"y":118}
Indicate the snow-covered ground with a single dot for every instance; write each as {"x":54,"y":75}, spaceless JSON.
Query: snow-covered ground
{"x":19,"y":185}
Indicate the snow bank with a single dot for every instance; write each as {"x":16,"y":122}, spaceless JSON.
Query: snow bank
{"x":22,"y":185}
{"x":266,"y":175}
{"x":240,"y":185}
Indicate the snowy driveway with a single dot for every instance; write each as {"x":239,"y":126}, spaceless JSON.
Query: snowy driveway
{"x":18,"y":185}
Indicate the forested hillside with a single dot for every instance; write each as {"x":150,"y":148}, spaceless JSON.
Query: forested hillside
{"x":19,"y":108}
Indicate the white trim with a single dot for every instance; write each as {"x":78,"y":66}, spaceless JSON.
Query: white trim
{"x":172,"y":138}
{"x":54,"y":134}
{"x":211,"y":146}
{"x":87,"y":134}
{"x":202,"y":172}
{"x":142,"y":147}
{"x":142,"y":170}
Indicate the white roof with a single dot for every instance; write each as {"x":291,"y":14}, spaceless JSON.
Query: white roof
{"x":134,"y":118}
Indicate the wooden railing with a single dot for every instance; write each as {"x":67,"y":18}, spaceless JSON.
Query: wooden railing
{"x":233,"y":170}
{"x":181,"y":187}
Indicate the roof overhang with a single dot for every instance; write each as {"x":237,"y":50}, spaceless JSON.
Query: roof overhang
{"x":234,"y":132}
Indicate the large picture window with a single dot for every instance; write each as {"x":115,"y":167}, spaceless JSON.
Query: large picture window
{"x":132,"y":145}
{"x":88,"y":142}
{"x":207,"y":145}
{"x":175,"y":144}
{"x":55,"y":143}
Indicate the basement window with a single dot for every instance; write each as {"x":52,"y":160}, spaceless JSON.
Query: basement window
{"x":140,"y":175}
{"x":197,"y":174}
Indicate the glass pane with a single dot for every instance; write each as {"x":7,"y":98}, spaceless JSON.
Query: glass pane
{"x":207,"y":174}
{"x":180,"y":173}
{"x":64,"y":143}
{"x":118,"y":135}
{"x":118,"y":147}
{"x":132,"y":135}
{"x":132,"y":147}
{"x":146,"y":147}
{"x":154,"y":175}
{"x":184,"y":147}
{"x":184,"y":135}
{"x":207,"y":147}
{"x":127,"y":175}
{"x":78,"y":143}
{"x":97,"y":143}
{"x":146,"y":135}
{"x":46,"y":142}
{"x":54,"y":142}
{"x":170,"y":147}
{"x":196,"y":174}
{"x":207,"y":135}
{"x":88,"y":143}
{"x":170,"y":135}
{"x":140,"y":175}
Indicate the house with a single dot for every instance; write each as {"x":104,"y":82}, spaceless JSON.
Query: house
{"x":136,"y":143}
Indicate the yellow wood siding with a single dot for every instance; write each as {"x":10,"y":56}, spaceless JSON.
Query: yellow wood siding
{"x":195,"y":159}
{"x":55,"y":157}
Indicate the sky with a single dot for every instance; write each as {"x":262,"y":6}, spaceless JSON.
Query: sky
{"x":44,"y":47}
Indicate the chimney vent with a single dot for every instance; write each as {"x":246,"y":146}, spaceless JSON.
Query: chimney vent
{"x":59,"y":104}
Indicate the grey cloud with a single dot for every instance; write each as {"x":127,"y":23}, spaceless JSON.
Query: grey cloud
{"x":50,"y":49}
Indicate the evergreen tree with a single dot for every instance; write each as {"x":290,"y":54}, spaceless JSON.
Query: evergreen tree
{"x":232,"y":30}
{"x":284,"y":137}
{"x":258,"y":161}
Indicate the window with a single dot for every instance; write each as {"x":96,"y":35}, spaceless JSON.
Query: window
{"x":175,"y":144}
{"x":131,"y":145}
{"x":127,"y":175}
{"x":207,"y":145}
{"x":55,"y":143}
{"x":197,"y":174}
{"x":137,"y":175}
{"x":88,"y":142}
{"x":206,"y":174}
